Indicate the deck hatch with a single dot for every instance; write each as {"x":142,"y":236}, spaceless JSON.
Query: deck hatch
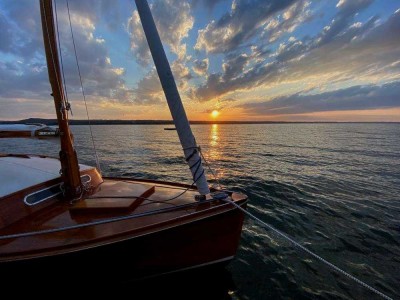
{"x":42,"y":195}
{"x":50,"y":192}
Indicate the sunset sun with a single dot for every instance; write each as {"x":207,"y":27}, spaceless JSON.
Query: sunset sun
{"x":215,"y":114}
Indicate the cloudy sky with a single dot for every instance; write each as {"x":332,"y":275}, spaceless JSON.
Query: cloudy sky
{"x":290,"y":60}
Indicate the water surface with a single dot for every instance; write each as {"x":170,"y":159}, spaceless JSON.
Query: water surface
{"x":335,"y":188}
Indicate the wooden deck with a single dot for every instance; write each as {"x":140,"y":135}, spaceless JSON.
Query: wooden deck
{"x":153,"y":227}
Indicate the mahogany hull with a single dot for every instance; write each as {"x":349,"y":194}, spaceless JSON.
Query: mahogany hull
{"x":211,"y":240}
{"x":118,"y":226}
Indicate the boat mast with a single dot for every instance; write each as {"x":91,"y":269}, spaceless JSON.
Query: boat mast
{"x":69,"y":161}
{"x":178,"y":113}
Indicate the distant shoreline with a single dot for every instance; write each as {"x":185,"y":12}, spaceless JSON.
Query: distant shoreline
{"x":170,"y":122}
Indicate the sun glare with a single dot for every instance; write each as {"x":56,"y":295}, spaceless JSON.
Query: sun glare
{"x":215,"y":113}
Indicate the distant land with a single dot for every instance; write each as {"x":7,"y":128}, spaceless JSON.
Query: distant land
{"x":158,"y":122}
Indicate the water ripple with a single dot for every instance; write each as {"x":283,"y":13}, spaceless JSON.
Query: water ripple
{"x":333,"y":187}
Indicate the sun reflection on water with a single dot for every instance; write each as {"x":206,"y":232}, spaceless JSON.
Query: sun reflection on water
{"x":214,"y":136}
{"x":214,"y":151}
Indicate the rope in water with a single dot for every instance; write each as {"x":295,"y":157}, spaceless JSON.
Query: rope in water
{"x":316,"y":256}
{"x":296,"y":244}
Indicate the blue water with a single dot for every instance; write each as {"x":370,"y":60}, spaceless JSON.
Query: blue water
{"x":335,"y":188}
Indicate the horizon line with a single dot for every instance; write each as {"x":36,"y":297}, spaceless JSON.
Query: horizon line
{"x":168,"y":122}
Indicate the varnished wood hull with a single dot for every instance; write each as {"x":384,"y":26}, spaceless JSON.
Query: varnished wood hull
{"x":118,"y":226}
{"x":210,"y":240}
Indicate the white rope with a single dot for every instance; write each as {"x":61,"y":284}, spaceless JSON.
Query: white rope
{"x":209,"y":167}
{"x":298,"y":245}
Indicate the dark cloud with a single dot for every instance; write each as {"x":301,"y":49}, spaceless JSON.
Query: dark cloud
{"x":200,"y":67}
{"x":353,"y":98}
{"x":210,"y":4}
{"x":24,"y":21}
{"x":216,"y":86}
{"x":366,"y":52}
{"x":25,"y":76}
{"x":148,"y":90}
{"x":238,"y":26}
{"x":294,"y":16}
{"x":347,"y":9}
{"x":234,"y":66}
{"x":5,"y":34}
{"x":33,"y":84}
{"x":108,"y":11}
{"x":292,"y":49}
{"x":253,"y":39}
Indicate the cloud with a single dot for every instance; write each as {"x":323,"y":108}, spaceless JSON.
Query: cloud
{"x":25,"y":71}
{"x":181,"y":73}
{"x":148,"y":91}
{"x":353,"y":98}
{"x":21,"y":20}
{"x":26,"y":23}
{"x":240,"y":25}
{"x":34,"y":82}
{"x":360,"y":52}
{"x":216,"y":86}
{"x":200,"y":67}
{"x":173,"y":20}
{"x":210,"y":4}
{"x":107,"y":11}
{"x":347,"y":10}
{"x":139,"y":46}
{"x":255,"y":49}
{"x":234,"y":66}
{"x":294,"y":16}
{"x":5,"y":34}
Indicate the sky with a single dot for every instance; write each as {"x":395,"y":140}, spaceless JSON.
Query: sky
{"x":251,"y":60}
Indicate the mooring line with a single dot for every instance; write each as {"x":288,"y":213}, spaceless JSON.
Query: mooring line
{"x":316,"y":256}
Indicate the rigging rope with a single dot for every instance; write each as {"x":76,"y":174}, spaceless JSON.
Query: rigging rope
{"x":298,"y":245}
{"x":109,"y":220}
{"x":196,"y":164}
{"x":52,"y":59}
{"x":83,"y":91}
{"x":209,"y":167}
{"x":67,"y":104}
{"x":316,"y":256}
{"x":227,"y":200}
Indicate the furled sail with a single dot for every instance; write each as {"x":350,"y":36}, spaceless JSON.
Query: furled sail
{"x":178,"y":113}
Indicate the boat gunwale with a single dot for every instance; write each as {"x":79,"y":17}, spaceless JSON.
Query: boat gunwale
{"x":183,"y":220}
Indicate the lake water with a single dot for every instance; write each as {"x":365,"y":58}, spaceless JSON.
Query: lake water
{"x":335,"y":188}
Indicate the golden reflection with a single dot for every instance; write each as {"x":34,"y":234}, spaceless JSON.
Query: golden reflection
{"x":214,"y":135}
{"x":214,"y":154}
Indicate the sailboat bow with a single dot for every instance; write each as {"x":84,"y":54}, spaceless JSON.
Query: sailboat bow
{"x":55,"y":221}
